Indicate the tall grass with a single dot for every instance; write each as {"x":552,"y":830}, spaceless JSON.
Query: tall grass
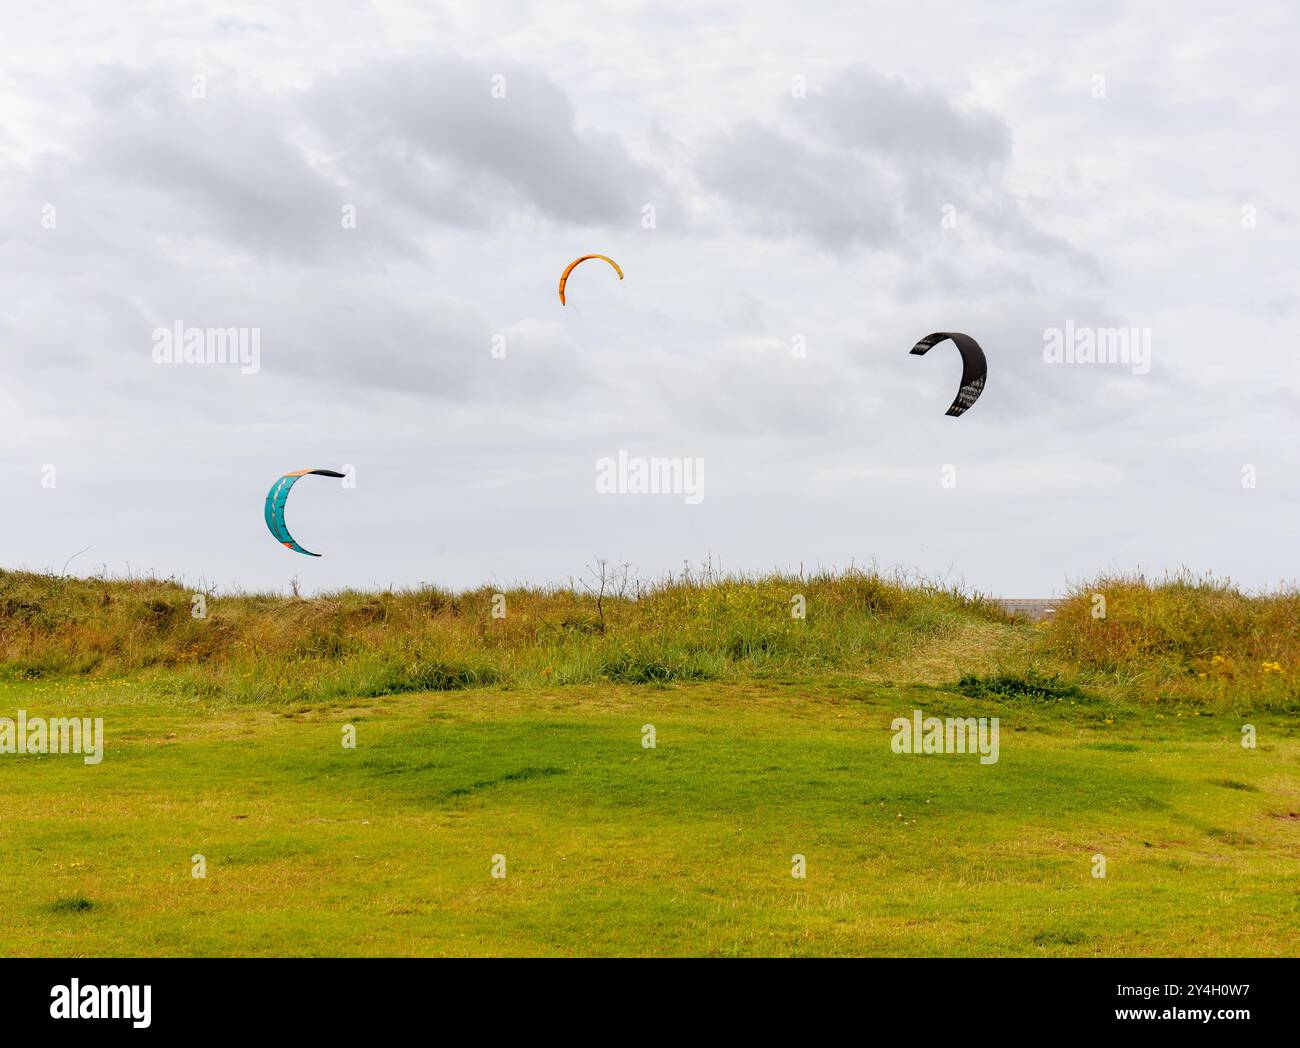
{"x":1181,"y":637}
{"x":1184,"y":635}
{"x":696,"y":626}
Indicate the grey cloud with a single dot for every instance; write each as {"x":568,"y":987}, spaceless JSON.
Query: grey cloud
{"x":873,"y":160}
{"x":223,"y":166}
{"x":780,"y":186}
{"x":868,"y":111}
{"x":178,"y":208}
{"x":411,"y":144}
{"x":430,"y":134}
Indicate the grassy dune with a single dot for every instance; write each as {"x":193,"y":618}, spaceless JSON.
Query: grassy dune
{"x":523,"y":737}
{"x":1180,"y":639}
{"x":272,"y":649}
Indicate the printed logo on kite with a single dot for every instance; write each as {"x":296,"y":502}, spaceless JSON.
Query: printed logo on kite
{"x":974,"y":368}
{"x":278,"y":496}
{"x":564,"y":277}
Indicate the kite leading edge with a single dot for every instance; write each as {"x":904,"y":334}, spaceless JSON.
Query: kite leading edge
{"x":974,"y":366}
{"x":278,"y":496}
{"x":564,"y":277}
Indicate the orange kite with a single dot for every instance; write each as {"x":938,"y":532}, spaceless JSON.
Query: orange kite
{"x":564,"y":277}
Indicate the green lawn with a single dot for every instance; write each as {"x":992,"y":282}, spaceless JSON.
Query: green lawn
{"x":611,"y":848}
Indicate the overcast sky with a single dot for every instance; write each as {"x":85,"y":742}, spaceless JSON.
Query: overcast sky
{"x":828,"y":183}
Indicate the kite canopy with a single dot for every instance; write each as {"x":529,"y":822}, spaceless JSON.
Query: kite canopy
{"x":974,"y":368}
{"x":278,"y":496}
{"x":564,"y":277}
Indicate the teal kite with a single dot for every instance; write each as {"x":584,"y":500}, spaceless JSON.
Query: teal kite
{"x":278,"y":496}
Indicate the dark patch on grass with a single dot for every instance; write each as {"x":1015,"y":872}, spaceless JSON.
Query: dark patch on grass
{"x":1112,"y":747}
{"x":402,"y":767}
{"x":744,"y":646}
{"x":1240,"y":840}
{"x":1234,"y":784}
{"x":324,"y":646}
{"x":79,"y":904}
{"x":428,"y":676}
{"x":523,"y":775}
{"x":1143,"y":802}
{"x":157,"y":614}
{"x":1033,"y":686}
{"x":634,"y":669}
{"x":1060,"y":937}
{"x":587,"y":624}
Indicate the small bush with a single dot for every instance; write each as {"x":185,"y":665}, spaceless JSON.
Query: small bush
{"x":1032,"y":686}
{"x":430,"y":675}
{"x":642,"y":669}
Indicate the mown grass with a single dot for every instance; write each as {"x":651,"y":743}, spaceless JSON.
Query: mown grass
{"x":613,"y":848}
